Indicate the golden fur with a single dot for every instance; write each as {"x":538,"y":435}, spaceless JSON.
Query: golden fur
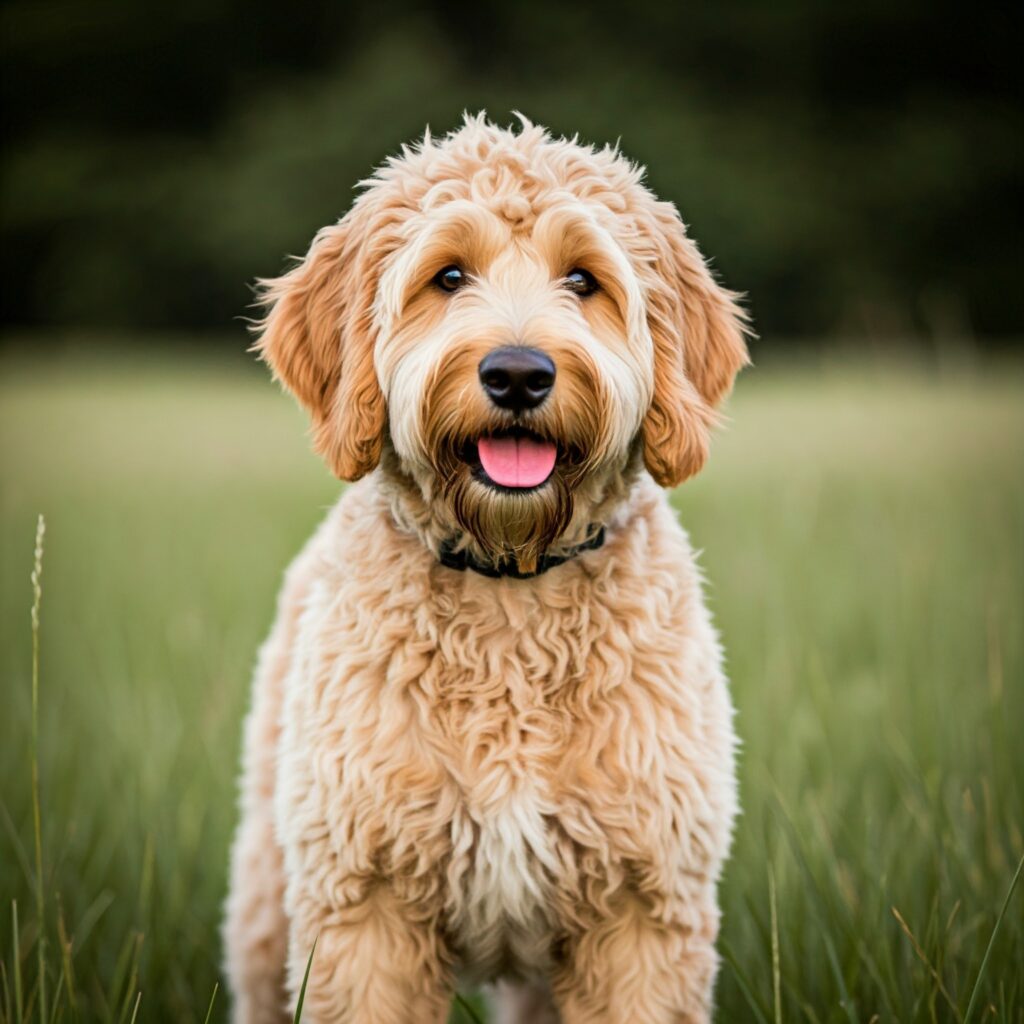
{"x":451,"y":775}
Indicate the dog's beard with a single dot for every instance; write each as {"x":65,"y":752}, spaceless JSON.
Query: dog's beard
{"x":507,"y":524}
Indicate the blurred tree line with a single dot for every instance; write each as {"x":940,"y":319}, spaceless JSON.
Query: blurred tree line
{"x":854,"y":167}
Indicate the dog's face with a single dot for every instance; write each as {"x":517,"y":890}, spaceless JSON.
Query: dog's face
{"x":514,"y":321}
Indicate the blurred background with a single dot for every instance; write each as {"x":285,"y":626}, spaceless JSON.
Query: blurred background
{"x":854,"y":168}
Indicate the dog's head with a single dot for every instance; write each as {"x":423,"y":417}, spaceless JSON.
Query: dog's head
{"x":514,"y":323}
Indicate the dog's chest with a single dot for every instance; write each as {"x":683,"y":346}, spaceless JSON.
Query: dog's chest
{"x":514,"y":754}
{"x":504,"y":736}
{"x":501,"y":877}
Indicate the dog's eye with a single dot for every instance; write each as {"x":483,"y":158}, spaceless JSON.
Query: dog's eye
{"x":581,"y":281}
{"x":450,"y":279}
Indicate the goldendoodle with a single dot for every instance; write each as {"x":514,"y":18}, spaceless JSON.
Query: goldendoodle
{"x":491,"y":738}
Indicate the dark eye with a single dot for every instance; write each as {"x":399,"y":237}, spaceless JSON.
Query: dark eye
{"x":450,"y":278}
{"x":580,"y":281}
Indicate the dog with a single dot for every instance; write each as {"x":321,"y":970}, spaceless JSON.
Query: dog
{"x":491,"y":739}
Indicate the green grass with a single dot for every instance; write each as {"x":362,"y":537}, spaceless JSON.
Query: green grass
{"x":863,"y":534}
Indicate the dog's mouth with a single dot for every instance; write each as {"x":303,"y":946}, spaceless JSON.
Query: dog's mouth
{"x":513,"y":460}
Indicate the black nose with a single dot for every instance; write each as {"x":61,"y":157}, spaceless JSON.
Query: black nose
{"x":517,"y":378}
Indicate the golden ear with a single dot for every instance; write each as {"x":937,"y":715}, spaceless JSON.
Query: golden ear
{"x":698,"y":332}
{"x":318,"y":339}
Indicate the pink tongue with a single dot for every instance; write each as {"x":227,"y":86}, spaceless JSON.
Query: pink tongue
{"x":516,"y":461}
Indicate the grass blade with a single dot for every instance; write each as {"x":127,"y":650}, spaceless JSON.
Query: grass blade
{"x":120,"y":986}
{"x":818,"y":908}
{"x":923,"y":957}
{"x":213,"y":996}
{"x":133,"y":979}
{"x":744,"y":984}
{"x":8,"y":1012}
{"x":68,"y":972}
{"x":305,"y":980}
{"x":776,"y":969}
{"x":16,"y":843}
{"x":37,"y":597}
{"x":466,"y":1007}
{"x":976,"y":991}
{"x":88,"y":921}
{"x":55,"y":1008}
{"x":19,"y":1006}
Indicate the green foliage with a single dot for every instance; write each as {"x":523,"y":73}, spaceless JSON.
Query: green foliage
{"x":862,"y":534}
{"x":850,"y":167}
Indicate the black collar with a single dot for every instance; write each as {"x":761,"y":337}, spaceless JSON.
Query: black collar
{"x":462,"y":560}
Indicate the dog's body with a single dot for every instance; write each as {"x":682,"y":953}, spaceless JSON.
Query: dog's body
{"x":522,"y":770}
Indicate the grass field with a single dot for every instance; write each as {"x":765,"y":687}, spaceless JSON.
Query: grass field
{"x":862,"y":527}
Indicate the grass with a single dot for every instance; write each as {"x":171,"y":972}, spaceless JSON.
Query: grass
{"x":862,"y":528}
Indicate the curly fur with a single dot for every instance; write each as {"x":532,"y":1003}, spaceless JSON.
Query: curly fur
{"x":524,"y":781}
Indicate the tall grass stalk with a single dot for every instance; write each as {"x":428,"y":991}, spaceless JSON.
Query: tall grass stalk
{"x":305,"y":981}
{"x":37,"y":598}
{"x":976,"y":991}
{"x":68,"y":973}
{"x":776,"y":971}
{"x":19,"y":1010}
{"x":209,"y":1008}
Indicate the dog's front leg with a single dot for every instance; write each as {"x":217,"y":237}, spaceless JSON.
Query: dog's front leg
{"x":376,"y":962}
{"x":634,"y":967}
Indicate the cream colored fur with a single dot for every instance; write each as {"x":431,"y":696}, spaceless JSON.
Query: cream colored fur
{"x":451,"y":776}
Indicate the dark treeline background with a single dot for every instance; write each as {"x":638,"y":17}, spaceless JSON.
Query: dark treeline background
{"x":854,"y":167}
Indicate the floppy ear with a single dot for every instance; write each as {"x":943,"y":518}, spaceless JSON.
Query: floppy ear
{"x":698,"y":332}
{"x":318,"y":338}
